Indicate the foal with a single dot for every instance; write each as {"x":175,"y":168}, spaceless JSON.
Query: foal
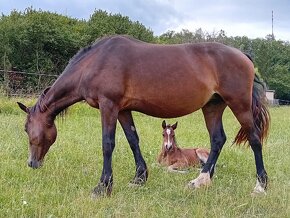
{"x":176,"y":158}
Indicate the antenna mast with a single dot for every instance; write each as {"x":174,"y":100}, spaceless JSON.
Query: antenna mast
{"x":272,"y":24}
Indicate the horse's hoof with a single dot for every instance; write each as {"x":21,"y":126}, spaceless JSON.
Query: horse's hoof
{"x":259,"y":190}
{"x":258,"y":193}
{"x":101,"y":191}
{"x":137,"y":181}
{"x":193,"y":184}
{"x":202,"y":180}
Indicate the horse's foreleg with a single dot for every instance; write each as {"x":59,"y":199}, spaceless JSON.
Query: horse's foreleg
{"x":109,"y":114}
{"x":126,"y":120}
{"x":213,"y":117}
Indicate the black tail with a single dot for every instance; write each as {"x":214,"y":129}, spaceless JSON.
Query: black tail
{"x":261,"y":115}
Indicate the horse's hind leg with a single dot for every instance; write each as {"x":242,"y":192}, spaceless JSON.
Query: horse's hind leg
{"x":126,"y":120}
{"x":212,"y":111}
{"x":262,"y":177}
{"x":247,"y":124}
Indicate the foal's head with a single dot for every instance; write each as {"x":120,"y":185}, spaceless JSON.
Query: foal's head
{"x":168,"y":135}
{"x":41,"y":133}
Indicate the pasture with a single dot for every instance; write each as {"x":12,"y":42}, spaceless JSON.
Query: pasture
{"x":62,"y":187}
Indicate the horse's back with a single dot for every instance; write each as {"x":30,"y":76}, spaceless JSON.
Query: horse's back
{"x":163,"y":80}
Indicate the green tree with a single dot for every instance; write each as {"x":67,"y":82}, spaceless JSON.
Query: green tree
{"x":101,"y":23}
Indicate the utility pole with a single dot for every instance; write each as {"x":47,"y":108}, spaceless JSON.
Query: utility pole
{"x":272,"y":24}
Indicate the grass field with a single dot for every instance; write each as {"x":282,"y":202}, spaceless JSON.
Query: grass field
{"x":62,"y":187}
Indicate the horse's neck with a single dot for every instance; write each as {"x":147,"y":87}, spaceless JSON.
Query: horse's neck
{"x":59,"y":97}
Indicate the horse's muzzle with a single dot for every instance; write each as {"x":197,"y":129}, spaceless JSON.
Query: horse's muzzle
{"x":34,"y":164}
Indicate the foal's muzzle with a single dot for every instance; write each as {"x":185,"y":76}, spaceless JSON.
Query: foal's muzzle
{"x":168,"y":146}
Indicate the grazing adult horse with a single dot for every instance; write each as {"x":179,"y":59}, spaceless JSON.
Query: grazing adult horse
{"x":119,"y":74}
{"x":175,"y":158}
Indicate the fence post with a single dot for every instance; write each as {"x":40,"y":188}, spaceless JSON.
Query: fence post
{"x":5,"y":76}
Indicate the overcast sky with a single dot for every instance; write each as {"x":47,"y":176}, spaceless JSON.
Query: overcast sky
{"x":250,"y":18}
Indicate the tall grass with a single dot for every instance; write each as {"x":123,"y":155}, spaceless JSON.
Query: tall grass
{"x":62,"y":187}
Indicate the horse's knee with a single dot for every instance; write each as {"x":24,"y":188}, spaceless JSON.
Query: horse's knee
{"x":108,"y":146}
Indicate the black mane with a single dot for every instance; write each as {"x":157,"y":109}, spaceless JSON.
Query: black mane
{"x":84,"y":51}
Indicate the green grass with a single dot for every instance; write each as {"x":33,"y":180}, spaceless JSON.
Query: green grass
{"x":62,"y":187}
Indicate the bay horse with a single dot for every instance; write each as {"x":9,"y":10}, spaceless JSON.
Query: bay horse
{"x":175,"y":158}
{"x":119,"y":74}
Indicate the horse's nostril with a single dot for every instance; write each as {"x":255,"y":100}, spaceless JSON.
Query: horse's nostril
{"x":29,"y":163}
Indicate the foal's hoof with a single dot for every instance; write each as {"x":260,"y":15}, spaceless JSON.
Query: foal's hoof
{"x":202,"y":180}
{"x":101,"y":191}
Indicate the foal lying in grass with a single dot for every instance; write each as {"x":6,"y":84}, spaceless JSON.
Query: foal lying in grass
{"x":176,"y":158}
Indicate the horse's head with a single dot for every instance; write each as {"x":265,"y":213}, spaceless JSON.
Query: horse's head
{"x":41,"y":133}
{"x":168,"y":135}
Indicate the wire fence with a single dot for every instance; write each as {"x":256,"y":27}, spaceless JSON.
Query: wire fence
{"x":23,"y":84}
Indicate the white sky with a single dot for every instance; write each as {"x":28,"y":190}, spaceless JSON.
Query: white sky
{"x":250,"y":18}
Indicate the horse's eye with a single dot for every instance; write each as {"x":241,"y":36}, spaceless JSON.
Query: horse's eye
{"x":163,"y":134}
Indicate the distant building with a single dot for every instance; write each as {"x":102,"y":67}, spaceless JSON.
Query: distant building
{"x":270,"y":94}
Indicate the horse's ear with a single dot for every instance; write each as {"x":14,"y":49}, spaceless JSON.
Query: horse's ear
{"x":163,"y":124}
{"x":23,"y":107}
{"x":174,"y":126}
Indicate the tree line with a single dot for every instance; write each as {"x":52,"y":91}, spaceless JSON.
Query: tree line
{"x":36,"y":41}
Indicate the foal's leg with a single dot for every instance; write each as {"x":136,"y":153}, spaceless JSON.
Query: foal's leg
{"x":109,"y":114}
{"x":212,"y":111}
{"x":126,"y":120}
{"x":202,"y":155}
{"x":178,"y":167}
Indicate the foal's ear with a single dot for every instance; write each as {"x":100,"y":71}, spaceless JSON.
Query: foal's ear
{"x":174,"y":126}
{"x":23,"y":107}
{"x":163,"y":124}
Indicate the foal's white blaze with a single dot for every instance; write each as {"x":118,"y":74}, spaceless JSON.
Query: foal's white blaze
{"x":168,"y":144}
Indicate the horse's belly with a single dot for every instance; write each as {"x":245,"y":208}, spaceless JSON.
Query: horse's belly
{"x":168,"y":108}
